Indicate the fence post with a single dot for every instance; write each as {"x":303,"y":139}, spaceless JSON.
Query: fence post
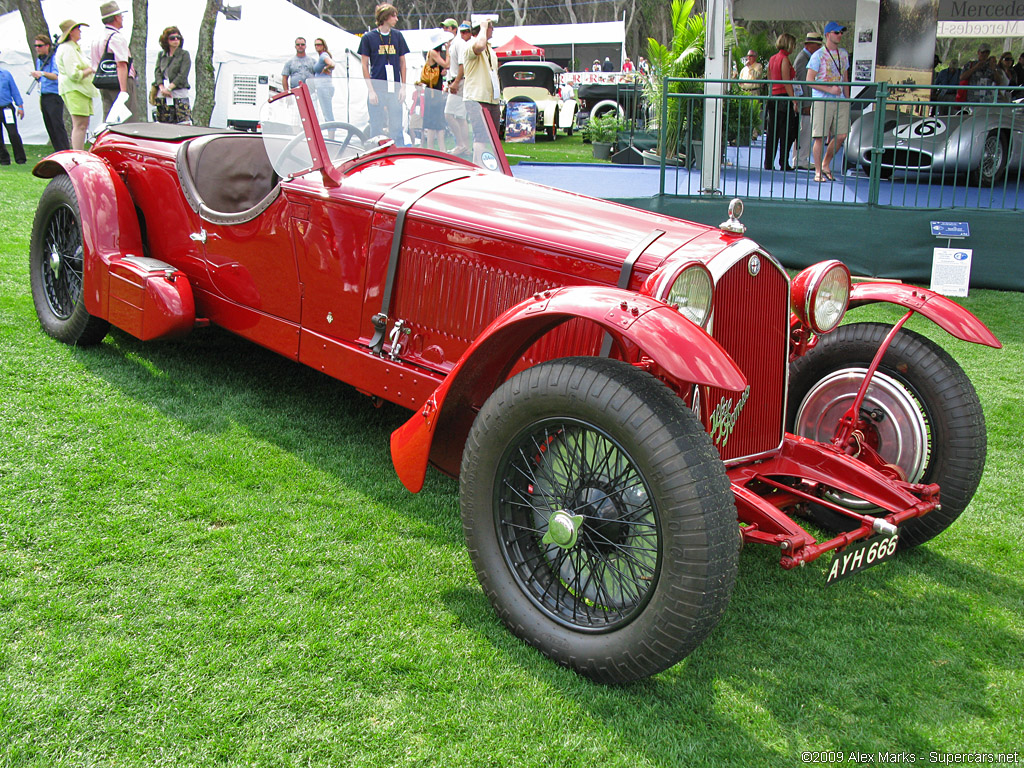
{"x":662,"y":139}
{"x":875,"y":174}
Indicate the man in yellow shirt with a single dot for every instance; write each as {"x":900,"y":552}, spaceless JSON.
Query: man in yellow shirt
{"x":480,"y":65}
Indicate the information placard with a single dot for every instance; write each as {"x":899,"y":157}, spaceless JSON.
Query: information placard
{"x":951,"y":229}
{"x":951,"y":271}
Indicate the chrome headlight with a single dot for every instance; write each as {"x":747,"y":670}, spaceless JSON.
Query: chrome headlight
{"x":690,"y":288}
{"x":821,"y":294}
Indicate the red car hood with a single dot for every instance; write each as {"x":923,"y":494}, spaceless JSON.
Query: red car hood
{"x":494,"y":205}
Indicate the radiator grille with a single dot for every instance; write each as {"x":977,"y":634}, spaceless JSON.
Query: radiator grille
{"x":901,"y":158}
{"x":751,"y":322}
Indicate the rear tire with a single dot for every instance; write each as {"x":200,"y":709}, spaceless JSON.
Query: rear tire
{"x":607,"y":458}
{"x":56,"y":267}
{"x":929,"y":420}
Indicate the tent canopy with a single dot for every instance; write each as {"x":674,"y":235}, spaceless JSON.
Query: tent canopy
{"x":518,"y":48}
{"x":260,"y":43}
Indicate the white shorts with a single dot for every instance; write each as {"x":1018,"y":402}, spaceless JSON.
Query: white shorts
{"x":455,"y":107}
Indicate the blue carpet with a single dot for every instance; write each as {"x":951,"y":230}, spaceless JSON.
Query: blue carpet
{"x":742,"y":177}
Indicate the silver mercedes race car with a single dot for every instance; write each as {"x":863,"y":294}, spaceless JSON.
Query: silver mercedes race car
{"x":982,"y":143}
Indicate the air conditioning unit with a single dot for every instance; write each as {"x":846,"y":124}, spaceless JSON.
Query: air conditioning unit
{"x":248,"y":95}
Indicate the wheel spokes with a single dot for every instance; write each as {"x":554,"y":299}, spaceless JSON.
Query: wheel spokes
{"x":563,"y":471}
{"x":62,"y":263}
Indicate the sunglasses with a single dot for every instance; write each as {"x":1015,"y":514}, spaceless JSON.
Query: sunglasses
{"x":41,"y":45}
{"x":174,"y":37}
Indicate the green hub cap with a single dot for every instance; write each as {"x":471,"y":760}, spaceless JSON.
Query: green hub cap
{"x":563,"y":529}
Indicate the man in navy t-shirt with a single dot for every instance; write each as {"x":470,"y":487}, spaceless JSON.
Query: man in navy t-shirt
{"x":383,"y":51}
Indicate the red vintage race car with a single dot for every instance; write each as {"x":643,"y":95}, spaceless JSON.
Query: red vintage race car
{"x":624,"y":396}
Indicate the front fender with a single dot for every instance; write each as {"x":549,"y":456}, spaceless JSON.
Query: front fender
{"x":110,"y":227}
{"x":684,"y":352}
{"x":942,"y":311}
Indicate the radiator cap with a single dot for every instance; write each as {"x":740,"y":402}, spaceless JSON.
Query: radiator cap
{"x":733,"y":225}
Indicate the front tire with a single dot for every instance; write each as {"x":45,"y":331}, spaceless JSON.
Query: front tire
{"x":599,"y":517}
{"x":56,"y":268}
{"x":925,"y":416}
{"x":993,"y":161}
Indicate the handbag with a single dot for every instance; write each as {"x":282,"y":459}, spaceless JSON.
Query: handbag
{"x":430,"y":74}
{"x":152,"y":95}
{"x":106,"y":70}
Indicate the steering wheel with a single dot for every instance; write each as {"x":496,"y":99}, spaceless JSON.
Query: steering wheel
{"x":289,"y":154}
{"x":351,"y":132}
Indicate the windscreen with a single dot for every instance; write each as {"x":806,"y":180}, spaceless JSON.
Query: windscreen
{"x":355,"y":122}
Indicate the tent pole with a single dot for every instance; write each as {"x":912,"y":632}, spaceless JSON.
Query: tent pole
{"x":714,"y":70}
{"x":622,"y":54}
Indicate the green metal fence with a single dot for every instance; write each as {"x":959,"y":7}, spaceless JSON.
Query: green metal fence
{"x":908,"y":146}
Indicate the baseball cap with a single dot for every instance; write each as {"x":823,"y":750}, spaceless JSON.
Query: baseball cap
{"x":464,"y":27}
{"x":449,"y":23}
{"x":834,"y":26}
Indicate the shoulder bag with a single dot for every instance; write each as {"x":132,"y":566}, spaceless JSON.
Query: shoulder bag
{"x":430,"y":73}
{"x":106,"y":70}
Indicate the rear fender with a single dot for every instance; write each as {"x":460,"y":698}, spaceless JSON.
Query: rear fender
{"x":942,"y":311}
{"x":110,"y":227}
{"x":684,"y":352}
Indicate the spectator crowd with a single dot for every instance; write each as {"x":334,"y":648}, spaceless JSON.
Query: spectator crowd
{"x":806,"y":121}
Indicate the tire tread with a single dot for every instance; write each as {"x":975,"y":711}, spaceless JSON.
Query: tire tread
{"x":695,"y":586}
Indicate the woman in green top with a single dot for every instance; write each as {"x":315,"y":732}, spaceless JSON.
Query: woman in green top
{"x":75,"y":80}
{"x":170,"y":81}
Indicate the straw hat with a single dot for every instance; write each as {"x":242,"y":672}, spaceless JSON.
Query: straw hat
{"x":65,"y":28}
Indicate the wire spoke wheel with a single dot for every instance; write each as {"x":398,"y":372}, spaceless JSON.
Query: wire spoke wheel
{"x":993,"y":161}
{"x":599,"y":517}
{"x":57,"y":267}
{"x":560,"y":468}
{"x":62,"y":268}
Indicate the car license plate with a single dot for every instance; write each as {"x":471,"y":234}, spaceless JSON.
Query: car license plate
{"x":860,"y":555}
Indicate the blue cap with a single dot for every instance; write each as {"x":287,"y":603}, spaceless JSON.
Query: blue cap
{"x":464,"y":27}
{"x":834,"y":26}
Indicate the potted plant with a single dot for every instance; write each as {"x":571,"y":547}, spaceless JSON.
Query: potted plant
{"x":601,"y":132}
{"x":743,"y":120}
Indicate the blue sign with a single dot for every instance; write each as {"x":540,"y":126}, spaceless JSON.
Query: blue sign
{"x":951,"y":229}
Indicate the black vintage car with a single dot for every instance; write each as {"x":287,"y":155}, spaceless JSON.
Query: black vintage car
{"x":596,"y":99}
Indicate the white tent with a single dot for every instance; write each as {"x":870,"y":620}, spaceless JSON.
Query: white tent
{"x":543,"y":35}
{"x":261,"y":42}
{"x":560,"y":41}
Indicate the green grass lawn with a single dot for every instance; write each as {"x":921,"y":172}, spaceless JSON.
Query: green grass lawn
{"x":207,"y":559}
{"x":564,"y":149}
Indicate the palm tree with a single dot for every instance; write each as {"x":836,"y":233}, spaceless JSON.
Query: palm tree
{"x":684,"y":59}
